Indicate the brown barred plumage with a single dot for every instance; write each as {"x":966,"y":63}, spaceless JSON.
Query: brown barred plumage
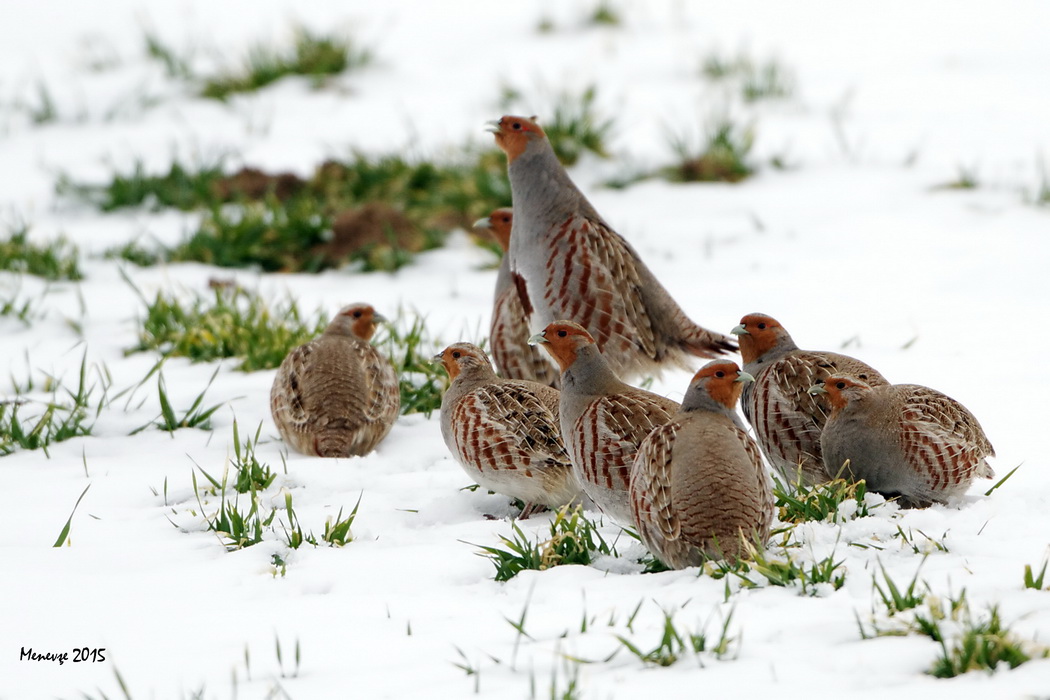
{"x":505,"y":432}
{"x":572,"y":265}
{"x":699,"y":488}
{"x":603,"y":420}
{"x":787,"y":419}
{"x":336,"y":396}
{"x":904,"y":440}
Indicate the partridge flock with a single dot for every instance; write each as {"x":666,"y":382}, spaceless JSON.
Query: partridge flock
{"x":567,"y":428}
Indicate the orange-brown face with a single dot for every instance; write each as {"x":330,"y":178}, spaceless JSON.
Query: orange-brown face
{"x":456,"y":354}
{"x":757,"y":335}
{"x":563,"y":339}
{"x":842,"y":389}
{"x":513,"y":134}
{"x":722,"y":381}
{"x":499,"y":223}
{"x":363,"y":320}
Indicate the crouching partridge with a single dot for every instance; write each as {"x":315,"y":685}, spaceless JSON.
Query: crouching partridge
{"x":567,"y":262}
{"x":787,"y":418}
{"x":903,"y":440}
{"x":336,"y":396}
{"x":505,"y":432}
{"x":603,"y":420}
{"x":509,"y":330}
{"x":699,"y":488}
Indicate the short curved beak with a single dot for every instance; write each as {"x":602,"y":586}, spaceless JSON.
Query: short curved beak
{"x":739,"y":330}
{"x":816,"y":389}
{"x":379,"y":318}
{"x":538,"y":339}
{"x":493,"y":127}
{"x":743,"y":376}
{"x":438,"y":359}
{"x":483,"y":224}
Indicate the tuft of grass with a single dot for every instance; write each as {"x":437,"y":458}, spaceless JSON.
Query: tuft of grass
{"x":721,"y":157}
{"x":252,"y":475}
{"x":233,"y":323}
{"x":573,"y":540}
{"x":674,"y":643}
{"x":268,"y":235}
{"x":965,"y":179}
{"x":408,"y":345}
{"x":787,"y":572}
{"x":756,"y":80}
{"x":43,"y":110}
{"x":1033,"y":581}
{"x":605,"y":15}
{"x":196,"y":416}
{"x":62,"y":418}
{"x":183,"y":187}
{"x":313,"y":55}
{"x":796,"y":504}
{"x":19,"y":308}
{"x":235,"y":528}
{"x":135,"y":254}
{"x":577,"y":127}
{"x":983,"y":645}
{"x":337,"y":530}
{"x":175,"y":66}
{"x":56,"y":261}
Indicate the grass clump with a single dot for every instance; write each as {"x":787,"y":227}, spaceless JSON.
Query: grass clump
{"x":406,"y":342}
{"x":59,"y":419}
{"x":1031,"y":580}
{"x":182,"y":187}
{"x":196,"y":416}
{"x":577,"y":127}
{"x":22,"y":309}
{"x":721,"y":157}
{"x":756,"y":80}
{"x":56,"y":261}
{"x":314,"y":55}
{"x":835,"y":501}
{"x":675,"y":643}
{"x":605,"y":15}
{"x":233,"y":323}
{"x":983,"y":645}
{"x":573,"y":540}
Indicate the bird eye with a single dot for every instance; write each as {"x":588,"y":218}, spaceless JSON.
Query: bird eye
{"x":357,"y":314}
{"x":562,"y":334}
{"x":506,"y":219}
{"x":516,"y":125}
{"x":720,"y":374}
{"x":840,"y":385}
{"x":456,"y":354}
{"x":761,"y":326}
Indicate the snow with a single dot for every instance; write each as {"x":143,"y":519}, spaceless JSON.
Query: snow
{"x":853,"y":246}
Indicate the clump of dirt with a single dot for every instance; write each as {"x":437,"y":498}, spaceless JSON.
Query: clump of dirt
{"x":365,"y":230}
{"x":255,"y":184}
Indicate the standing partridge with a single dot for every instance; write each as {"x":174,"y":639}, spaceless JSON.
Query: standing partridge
{"x":505,"y":432}
{"x":788,"y":419}
{"x":336,"y":396}
{"x":699,"y":488}
{"x":509,"y":331}
{"x":903,"y":440}
{"x":567,"y":262}
{"x":603,"y":420}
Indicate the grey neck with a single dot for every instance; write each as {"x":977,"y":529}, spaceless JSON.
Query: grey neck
{"x":591,"y":373}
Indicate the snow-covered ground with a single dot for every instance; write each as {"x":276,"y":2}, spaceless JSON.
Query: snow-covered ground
{"x":854,"y":245}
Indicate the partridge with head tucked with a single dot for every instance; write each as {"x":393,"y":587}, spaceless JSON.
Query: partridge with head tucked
{"x":505,"y":432}
{"x":699,"y":488}
{"x":509,"y":330}
{"x":904,"y":440}
{"x":788,"y":419}
{"x":603,"y":420}
{"x":336,"y":396}
{"x":567,"y":262}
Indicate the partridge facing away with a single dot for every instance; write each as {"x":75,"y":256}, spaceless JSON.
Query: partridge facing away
{"x":336,"y":396}
{"x":603,"y":420}
{"x":787,"y":418}
{"x":904,"y":440}
{"x":567,"y":262}
{"x":509,"y":331}
{"x":699,"y":488}
{"x":505,"y":432}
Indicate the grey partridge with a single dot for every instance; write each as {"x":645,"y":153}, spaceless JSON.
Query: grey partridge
{"x":788,"y":419}
{"x":903,"y":440}
{"x":699,"y":488}
{"x":567,"y":262}
{"x":336,"y":396}
{"x":509,"y":330}
{"x":603,"y":420}
{"x":505,"y":432}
